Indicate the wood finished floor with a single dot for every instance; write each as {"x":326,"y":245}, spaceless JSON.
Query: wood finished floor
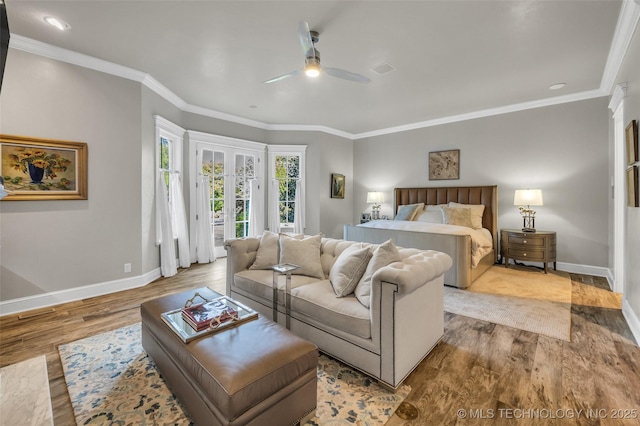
{"x":500,"y":373}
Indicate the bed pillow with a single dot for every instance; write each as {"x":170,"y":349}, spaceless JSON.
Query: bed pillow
{"x":267,"y":254}
{"x":349,"y":268}
{"x":385,"y":254}
{"x":457,"y":216}
{"x":477,"y":210}
{"x":305,"y":253}
{"x":431,"y":214}
{"x":408,"y":211}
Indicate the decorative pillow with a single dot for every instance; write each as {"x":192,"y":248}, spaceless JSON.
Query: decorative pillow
{"x":267,"y":254}
{"x":408,"y":211}
{"x":385,"y":254}
{"x":305,"y":253}
{"x":348,"y":269}
{"x":431,"y":214}
{"x":477,"y":210}
{"x":457,"y":216}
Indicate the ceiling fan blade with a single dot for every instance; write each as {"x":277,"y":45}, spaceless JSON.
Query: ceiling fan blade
{"x":304,"y":34}
{"x":282,"y":77}
{"x":346,"y":75}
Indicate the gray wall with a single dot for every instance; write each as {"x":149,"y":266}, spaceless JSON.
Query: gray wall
{"x":560,"y":149}
{"x":56,"y":245}
{"x":630,"y":73}
{"x":48,"y":246}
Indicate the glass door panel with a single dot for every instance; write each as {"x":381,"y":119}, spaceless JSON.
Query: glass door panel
{"x":213,"y":166}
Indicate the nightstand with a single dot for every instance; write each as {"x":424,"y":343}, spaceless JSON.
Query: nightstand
{"x":539,"y":246}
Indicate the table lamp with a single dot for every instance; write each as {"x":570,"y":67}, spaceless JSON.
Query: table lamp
{"x":528,"y":198}
{"x":375,"y":198}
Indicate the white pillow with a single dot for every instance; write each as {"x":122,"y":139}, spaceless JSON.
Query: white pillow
{"x":457,"y":216}
{"x":267,"y":254}
{"x":305,"y":253}
{"x":408,"y":211}
{"x":431,"y":214}
{"x":385,"y":254}
{"x":477,"y":210}
{"x":348,"y":269}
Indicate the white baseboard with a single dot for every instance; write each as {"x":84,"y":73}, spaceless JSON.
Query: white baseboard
{"x":632,"y":319}
{"x":39,"y":301}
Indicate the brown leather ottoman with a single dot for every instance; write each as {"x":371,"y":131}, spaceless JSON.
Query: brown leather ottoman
{"x":257,"y":373}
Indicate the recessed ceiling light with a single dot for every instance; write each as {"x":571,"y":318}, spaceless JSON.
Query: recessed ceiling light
{"x":54,"y":22}
{"x":557,"y":86}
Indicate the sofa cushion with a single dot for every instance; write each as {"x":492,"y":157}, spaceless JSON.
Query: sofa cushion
{"x":318,"y":301}
{"x":305,"y":253}
{"x":383,"y":255}
{"x":348,"y":269}
{"x":260,"y":283}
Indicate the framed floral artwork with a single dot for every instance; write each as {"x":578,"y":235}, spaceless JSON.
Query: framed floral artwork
{"x":43,"y":169}
{"x":631,"y":134}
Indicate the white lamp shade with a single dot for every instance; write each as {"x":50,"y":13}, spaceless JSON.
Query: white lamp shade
{"x":375,"y":197}
{"x":528,"y":197}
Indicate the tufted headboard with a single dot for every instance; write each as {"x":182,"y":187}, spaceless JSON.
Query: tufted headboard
{"x":487,"y":195}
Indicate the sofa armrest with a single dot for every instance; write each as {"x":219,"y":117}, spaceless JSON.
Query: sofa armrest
{"x":241,"y":253}
{"x":414,"y":271}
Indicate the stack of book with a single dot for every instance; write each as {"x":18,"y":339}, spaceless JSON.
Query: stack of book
{"x":211,"y":314}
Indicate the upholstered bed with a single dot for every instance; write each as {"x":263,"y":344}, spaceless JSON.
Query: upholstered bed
{"x":473,"y":250}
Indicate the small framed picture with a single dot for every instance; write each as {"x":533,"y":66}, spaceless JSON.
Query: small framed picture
{"x":337,"y":185}
{"x":631,"y":134}
{"x":385,"y":217}
{"x":366,"y":216}
{"x":444,"y":165}
{"x":632,"y":187}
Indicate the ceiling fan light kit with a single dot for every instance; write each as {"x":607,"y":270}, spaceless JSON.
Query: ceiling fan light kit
{"x":312,"y":67}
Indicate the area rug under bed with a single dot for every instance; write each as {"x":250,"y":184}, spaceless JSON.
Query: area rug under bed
{"x":111,"y":380}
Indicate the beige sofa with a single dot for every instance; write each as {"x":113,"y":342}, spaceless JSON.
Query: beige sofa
{"x":387,"y":340}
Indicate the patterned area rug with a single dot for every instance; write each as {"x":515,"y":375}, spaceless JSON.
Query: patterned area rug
{"x":517,"y":297}
{"x":111,"y":380}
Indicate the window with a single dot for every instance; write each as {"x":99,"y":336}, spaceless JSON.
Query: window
{"x":169,"y":139}
{"x":287,"y":165}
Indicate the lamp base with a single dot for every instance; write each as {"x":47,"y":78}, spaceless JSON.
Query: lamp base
{"x":528,"y":230}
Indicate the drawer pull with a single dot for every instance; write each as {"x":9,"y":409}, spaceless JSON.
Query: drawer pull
{"x":524,"y":254}
{"x":525,"y":241}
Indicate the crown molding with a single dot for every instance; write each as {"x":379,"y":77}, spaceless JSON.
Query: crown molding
{"x":591,"y":94}
{"x":619,"y":93}
{"x":627,"y":23}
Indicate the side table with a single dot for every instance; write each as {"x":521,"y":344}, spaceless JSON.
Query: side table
{"x":280,"y":269}
{"x":539,"y":246}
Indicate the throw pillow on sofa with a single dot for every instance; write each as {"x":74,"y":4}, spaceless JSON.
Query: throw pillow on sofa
{"x":267,"y":254}
{"x":385,"y":254}
{"x":348,"y":269}
{"x":305,"y":253}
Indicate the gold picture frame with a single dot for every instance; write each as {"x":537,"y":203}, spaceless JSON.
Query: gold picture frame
{"x":632,"y":187}
{"x":43,"y":169}
{"x":631,"y":134}
{"x":337,"y":185}
{"x":444,"y":165}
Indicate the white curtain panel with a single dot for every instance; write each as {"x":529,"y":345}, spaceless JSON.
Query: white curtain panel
{"x":204,"y":236}
{"x":274,"y":213}
{"x":168,"y":266}
{"x":179,"y":219}
{"x":298,"y":214}
{"x":255,"y":209}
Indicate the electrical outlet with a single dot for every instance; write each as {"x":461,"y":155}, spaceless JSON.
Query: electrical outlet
{"x":127,"y":268}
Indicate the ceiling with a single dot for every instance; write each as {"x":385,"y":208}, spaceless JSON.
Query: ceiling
{"x":450,"y":58}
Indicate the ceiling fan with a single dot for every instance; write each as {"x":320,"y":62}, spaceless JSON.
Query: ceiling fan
{"x":312,"y":67}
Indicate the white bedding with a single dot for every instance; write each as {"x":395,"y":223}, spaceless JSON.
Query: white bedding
{"x":481,"y":240}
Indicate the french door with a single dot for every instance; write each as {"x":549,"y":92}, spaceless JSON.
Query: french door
{"x":231,"y":166}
